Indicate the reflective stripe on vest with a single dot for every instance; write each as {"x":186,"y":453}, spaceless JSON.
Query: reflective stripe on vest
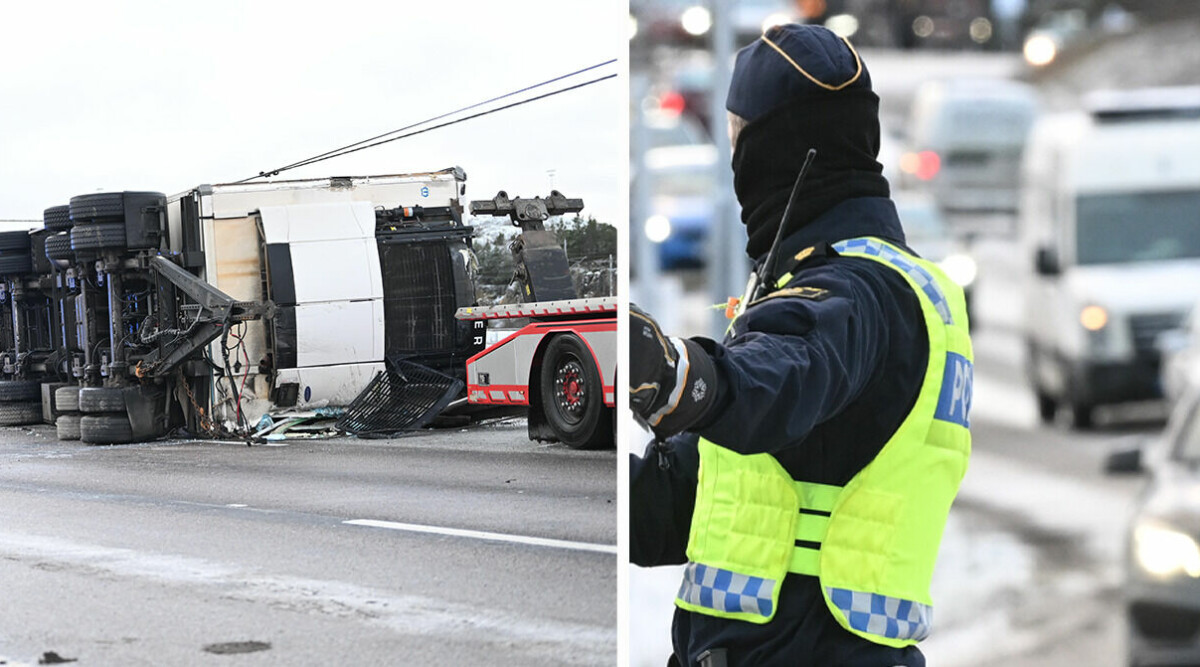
{"x":877,"y":248}
{"x":726,"y":590}
{"x":871,"y":543}
{"x":882,"y":615}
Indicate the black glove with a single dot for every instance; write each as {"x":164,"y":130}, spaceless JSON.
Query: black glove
{"x":672,"y":381}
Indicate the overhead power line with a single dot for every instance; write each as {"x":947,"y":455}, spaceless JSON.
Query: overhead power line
{"x":378,"y":140}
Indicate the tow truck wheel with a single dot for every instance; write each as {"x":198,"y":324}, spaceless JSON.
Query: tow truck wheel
{"x":18,"y":413}
{"x":105,"y":429}
{"x":20,"y":390}
{"x":573,"y":396}
{"x":101,"y":399}
{"x":68,"y":426}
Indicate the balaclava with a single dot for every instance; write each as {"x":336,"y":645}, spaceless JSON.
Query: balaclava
{"x":801,"y":87}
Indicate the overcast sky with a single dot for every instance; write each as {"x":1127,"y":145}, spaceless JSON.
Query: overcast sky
{"x":105,"y":96}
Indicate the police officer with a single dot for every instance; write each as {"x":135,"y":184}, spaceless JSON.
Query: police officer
{"x":817,"y":450}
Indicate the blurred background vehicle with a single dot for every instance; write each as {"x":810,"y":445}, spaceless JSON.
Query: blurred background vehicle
{"x":1161,"y":584}
{"x":1110,"y":219}
{"x":965,"y":141}
{"x":1032,"y":557}
{"x":681,"y":178}
{"x":671,"y":128}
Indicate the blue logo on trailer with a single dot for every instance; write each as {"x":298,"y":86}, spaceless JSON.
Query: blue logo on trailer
{"x":424,"y":190}
{"x":307,"y":394}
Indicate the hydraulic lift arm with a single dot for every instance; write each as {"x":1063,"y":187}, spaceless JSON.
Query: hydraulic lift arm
{"x":216,"y":311}
{"x":541,"y":261}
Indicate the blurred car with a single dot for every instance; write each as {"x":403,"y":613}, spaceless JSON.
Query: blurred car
{"x":1108,"y":216}
{"x":1161,"y":592}
{"x":927,"y":233}
{"x":1055,"y":31}
{"x":965,"y":142}
{"x":682,"y":182}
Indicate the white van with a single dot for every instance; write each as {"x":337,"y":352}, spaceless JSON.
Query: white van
{"x":1110,"y":219}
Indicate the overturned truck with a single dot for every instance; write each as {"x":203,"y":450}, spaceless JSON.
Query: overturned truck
{"x":132,"y":314}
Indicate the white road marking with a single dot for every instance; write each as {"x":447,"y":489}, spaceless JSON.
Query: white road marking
{"x":483,"y":535}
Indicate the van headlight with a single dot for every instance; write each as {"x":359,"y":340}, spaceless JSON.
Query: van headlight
{"x":1093,"y":317}
{"x":959,"y":268}
{"x":1164,"y":552}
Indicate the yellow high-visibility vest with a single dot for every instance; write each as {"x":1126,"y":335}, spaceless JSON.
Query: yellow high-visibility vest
{"x":873,"y":542}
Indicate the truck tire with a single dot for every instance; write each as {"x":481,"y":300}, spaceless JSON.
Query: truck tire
{"x":59,"y":246}
{"x":68,"y":426}
{"x":66,"y":399}
{"x":101,"y":236}
{"x":57,"y":218}
{"x":101,"y":399}
{"x":20,"y":390}
{"x":573,"y":395}
{"x":105,"y":429}
{"x":16,"y":265}
{"x":16,"y":414}
{"x":98,"y":207}
{"x":14,"y":241}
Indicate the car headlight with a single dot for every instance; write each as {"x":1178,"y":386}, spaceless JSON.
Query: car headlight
{"x":1164,"y":552}
{"x":658,"y":228}
{"x":959,"y":268}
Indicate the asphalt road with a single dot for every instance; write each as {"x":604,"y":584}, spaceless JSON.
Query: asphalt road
{"x":489,"y":549}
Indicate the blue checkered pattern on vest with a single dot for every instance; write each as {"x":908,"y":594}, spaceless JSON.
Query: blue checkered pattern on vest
{"x":885,"y":252}
{"x":882,"y":615}
{"x":725,"y":590}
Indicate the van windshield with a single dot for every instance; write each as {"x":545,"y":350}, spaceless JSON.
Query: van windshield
{"x":1137,"y":227}
{"x":1007,"y":123}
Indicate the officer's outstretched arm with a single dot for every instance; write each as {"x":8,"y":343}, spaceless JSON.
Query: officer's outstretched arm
{"x":793,"y":363}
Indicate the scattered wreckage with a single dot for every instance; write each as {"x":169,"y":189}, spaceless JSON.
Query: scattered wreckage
{"x":132,"y":314}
